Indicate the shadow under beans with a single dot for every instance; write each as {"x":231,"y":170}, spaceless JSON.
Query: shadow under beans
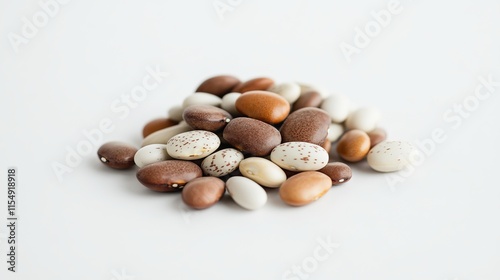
{"x":361,"y":166}
{"x":126,"y":181}
{"x":227,"y":202}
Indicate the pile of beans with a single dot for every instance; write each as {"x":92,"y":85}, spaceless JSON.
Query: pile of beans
{"x":246,"y":136}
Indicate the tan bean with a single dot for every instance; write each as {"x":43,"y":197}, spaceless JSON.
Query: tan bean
{"x":304,"y":188}
{"x":203,"y":192}
{"x":262,"y":105}
{"x":376,"y":136}
{"x":156,"y":125}
{"x":353,"y":145}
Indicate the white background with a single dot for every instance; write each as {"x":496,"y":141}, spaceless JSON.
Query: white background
{"x":440,"y":223}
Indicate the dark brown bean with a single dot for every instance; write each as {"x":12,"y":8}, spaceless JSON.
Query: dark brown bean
{"x":169,"y":175}
{"x":376,"y":136}
{"x":290,"y":173}
{"x":156,"y":125}
{"x":219,"y":85}
{"x":308,"y":99}
{"x":306,"y":125}
{"x":206,"y":117}
{"x":337,"y":171}
{"x":254,"y":84}
{"x":252,"y":136}
{"x":203,"y":192}
{"x":117,"y":155}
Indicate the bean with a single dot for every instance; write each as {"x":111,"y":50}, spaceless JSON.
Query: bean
{"x":338,"y":172}
{"x":193,"y":145}
{"x":289,"y":91}
{"x":219,"y":85}
{"x":156,"y":125}
{"x":203,"y":192}
{"x":252,"y":136}
{"x":353,"y":145}
{"x":264,"y":106}
{"x":228,"y":103}
{"x":304,"y":188}
{"x":246,"y":193}
{"x":222,"y":162}
{"x":206,"y":117}
{"x":376,"y":136}
{"x":308,"y":99}
{"x":306,"y":125}
{"x":263,"y":171}
{"x":117,"y":155}
{"x":390,"y":156}
{"x":169,"y":175}
{"x":151,"y":154}
{"x":299,"y":156}
{"x":337,"y":106}
{"x":201,"y":98}
{"x":254,"y":84}
{"x":163,"y":135}
{"x":365,"y":119}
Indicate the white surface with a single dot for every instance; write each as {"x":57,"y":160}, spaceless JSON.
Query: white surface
{"x":440,"y":223}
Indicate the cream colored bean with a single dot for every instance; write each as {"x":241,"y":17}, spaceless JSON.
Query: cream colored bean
{"x":163,"y":135}
{"x":246,"y":193}
{"x":263,"y":171}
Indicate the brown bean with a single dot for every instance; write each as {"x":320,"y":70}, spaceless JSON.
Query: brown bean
{"x":252,"y":136}
{"x":337,"y":171}
{"x":169,"y":175}
{"x":376,"y":136}
{"x":156,"y":125}
{"x":327,"y":145}
{"x":262,"y":105}
{"x":306,"y":125}
{"x":117,"y":155}
{"x":353,"y":145}
{"x":254,"y":84}
{"x":203,"y":192}
{"x":206,"y":117}
{"x":219,"y":85}
{"x":304,"y":188}
{"x":308,"y":99}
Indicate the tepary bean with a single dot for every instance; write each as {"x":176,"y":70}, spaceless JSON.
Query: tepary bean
{"x":246,"y":136}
